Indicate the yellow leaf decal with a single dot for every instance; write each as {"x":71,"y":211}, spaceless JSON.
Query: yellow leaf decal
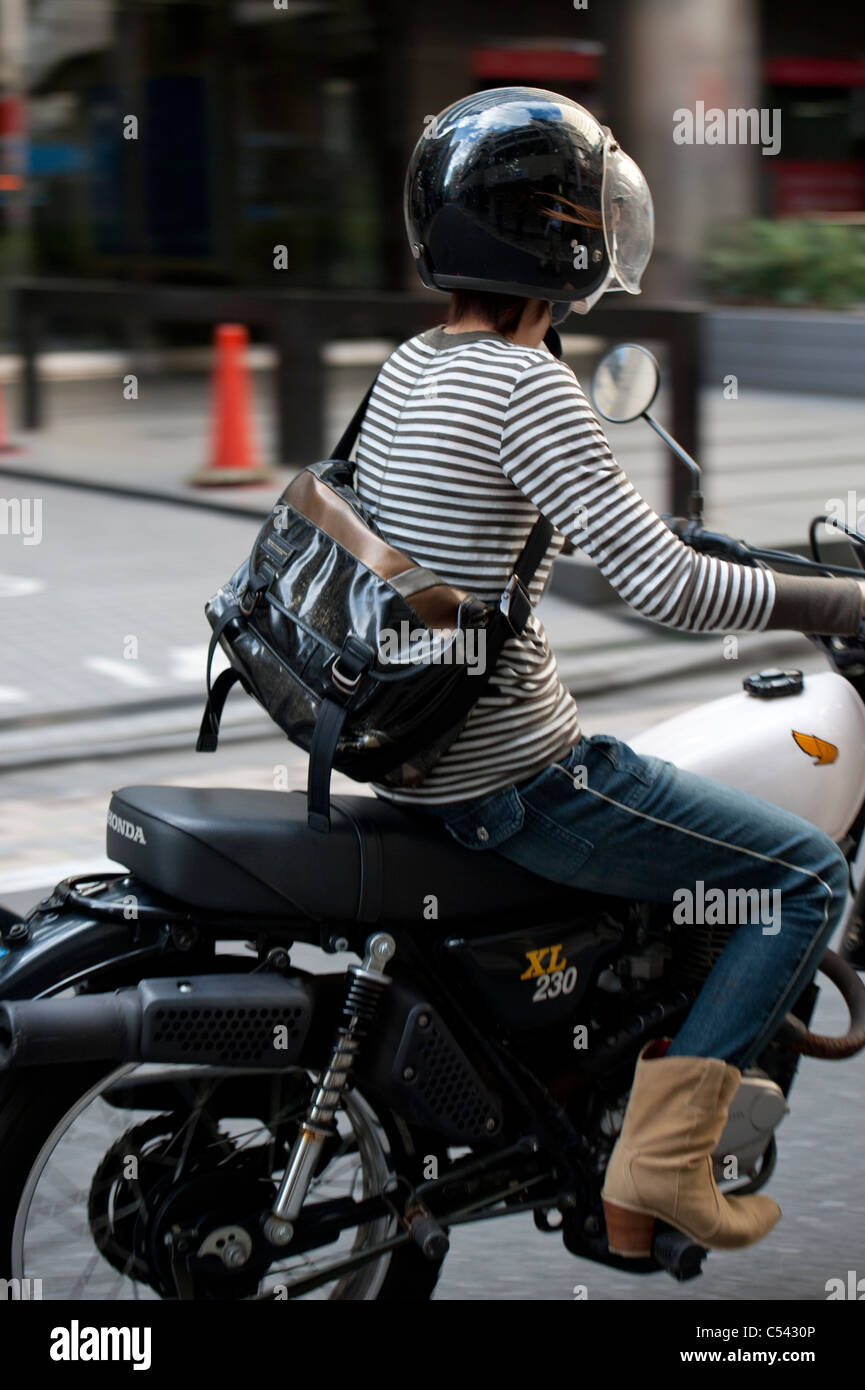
{"x":817,"y":748}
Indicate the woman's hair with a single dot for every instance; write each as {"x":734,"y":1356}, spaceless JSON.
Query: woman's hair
{"x":501,"y":311}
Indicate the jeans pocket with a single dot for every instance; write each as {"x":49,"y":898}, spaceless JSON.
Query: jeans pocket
{"x":623,"y":758}
{"x":552,"y":844}
{"x":489,"y":822}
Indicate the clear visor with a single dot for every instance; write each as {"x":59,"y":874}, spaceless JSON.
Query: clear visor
{"x":629,"y":218}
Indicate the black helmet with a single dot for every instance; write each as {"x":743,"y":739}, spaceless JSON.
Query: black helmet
{"x":520,"y":191}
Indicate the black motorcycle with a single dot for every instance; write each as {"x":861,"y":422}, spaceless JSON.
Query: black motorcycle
{"x":188,"y":1113}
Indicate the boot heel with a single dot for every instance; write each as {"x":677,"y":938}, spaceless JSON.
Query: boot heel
{"x":629,"y":1233}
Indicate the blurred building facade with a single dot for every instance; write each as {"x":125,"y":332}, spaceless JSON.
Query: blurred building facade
{"x":182,"y":140}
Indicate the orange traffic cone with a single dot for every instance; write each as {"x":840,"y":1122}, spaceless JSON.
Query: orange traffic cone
{"x":232,"y":456}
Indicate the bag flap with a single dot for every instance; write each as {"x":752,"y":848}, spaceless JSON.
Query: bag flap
{"x":345,"y":521}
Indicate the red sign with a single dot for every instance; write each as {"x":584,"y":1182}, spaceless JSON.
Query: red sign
{"x":817,"y":185}
{"x":535,"y":64}
{"x":815,"y":72}
{"x":11,"y":115}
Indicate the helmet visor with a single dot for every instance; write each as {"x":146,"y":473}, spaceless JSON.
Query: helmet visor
{"x":629,"y":219}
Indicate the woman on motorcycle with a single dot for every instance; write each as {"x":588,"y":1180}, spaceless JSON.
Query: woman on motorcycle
{"x":523,"y":207}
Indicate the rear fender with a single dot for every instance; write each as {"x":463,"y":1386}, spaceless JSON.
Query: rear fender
{"x":90,"y":927}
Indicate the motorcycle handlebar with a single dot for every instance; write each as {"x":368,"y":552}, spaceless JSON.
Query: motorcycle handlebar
{"x":695,"y":534}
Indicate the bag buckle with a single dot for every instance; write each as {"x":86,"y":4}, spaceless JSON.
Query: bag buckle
{"x":357,"y":658}
{"x":247,"y":602}
{"x":515,"y":603}
{"x":345,"y":683}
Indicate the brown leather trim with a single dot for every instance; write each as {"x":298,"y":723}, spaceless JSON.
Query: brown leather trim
{"x":437,"y":606}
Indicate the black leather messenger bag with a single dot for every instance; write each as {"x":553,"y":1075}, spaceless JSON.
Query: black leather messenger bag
{"x":363,"y":658}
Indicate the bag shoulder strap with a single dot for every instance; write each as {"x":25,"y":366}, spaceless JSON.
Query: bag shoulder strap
{"x":346,"y":443}
{"x":533,"y":551}
{"x":515,"y":602}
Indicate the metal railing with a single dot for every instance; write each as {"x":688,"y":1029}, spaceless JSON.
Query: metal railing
{"x":300,"y":323}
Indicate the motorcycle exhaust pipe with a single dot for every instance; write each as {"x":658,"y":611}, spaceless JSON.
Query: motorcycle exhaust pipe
{"x":86,"y":1028}
{"x":253,"y":1021}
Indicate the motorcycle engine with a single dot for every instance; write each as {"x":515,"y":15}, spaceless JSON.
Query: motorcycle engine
{"x":683,"y":958}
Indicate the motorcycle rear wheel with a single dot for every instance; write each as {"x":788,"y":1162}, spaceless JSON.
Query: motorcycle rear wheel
{"x":57,"y":1209}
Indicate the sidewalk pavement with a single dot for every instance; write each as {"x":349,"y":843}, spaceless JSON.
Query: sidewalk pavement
{"x":119,"y":564}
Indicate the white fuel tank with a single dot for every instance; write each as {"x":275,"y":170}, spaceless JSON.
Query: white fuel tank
{"x":803,"y":751}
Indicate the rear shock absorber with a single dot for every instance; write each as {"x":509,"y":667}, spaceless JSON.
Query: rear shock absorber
{"x":366,"y":985}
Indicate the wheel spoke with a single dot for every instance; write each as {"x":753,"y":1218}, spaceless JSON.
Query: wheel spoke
{"x":79,"y":1190}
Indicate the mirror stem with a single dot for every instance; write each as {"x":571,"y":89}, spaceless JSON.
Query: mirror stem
{"x":692,"y":464}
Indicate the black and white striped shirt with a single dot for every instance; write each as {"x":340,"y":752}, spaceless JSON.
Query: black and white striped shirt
{"x":466,"y":438}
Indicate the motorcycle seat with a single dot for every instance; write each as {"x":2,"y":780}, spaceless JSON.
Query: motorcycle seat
{"x":227,"y":849}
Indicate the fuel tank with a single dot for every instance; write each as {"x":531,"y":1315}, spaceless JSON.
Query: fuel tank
{"x":802,"y":749}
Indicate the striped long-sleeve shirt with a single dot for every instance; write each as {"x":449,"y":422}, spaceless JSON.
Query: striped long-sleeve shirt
{"x":467,"y":437}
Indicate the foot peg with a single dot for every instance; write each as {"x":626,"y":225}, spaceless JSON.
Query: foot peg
{"x":640,"y":1236}
{"x":427,"y":1233}
{"x":677,"y":1253}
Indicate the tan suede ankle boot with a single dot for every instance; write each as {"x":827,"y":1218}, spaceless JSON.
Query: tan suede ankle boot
{"x":661,"y":1165}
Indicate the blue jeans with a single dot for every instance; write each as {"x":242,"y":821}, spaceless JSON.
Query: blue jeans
{"x":611,"y":821}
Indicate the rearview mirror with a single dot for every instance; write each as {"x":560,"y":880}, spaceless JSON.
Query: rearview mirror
{"x":625,"y":383}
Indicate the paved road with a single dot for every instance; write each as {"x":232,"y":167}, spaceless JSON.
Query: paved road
{"x":104,"y":635}
{"x":105,"y":605}
{"x":820,"y":1182}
